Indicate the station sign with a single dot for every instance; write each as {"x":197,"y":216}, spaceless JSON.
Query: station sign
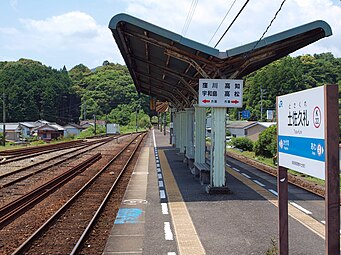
{"x":301,"y":132}
{"x":220,"y":93}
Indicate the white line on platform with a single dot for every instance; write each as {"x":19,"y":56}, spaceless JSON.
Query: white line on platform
{"x":247,"y":176}
{"x":273,"y":192}
{"x":161,"y":184}
{"x":168,"y":231}
{"x":259,"y":183}
{"x":300,"y":208}
{"x":164,"y":208}
{"x":162,"y":194}
{"x":154,"y":139}
{"x":159,"y":176}
{"x":235,"y":169}
{"x":228,"y":165}
{"x":171,"y":253}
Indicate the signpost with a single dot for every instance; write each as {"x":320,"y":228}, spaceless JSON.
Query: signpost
{"x":308,"y":143}
{"x":220,"y":93}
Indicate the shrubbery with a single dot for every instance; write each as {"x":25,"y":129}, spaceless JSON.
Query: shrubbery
{"x":242,"y":143}
{"x":267,"y":143}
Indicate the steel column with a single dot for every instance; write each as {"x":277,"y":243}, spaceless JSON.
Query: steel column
{"x":218,"y":148}
{"x":182,"y":132}
{"x":190,"y":133}
{"x":200,"y":134}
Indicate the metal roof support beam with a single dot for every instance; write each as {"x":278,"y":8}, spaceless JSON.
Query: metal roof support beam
{"x":166,"y":46}
{"x":183,"y":97}
{"x":184,"y":82}
{"x":163,"y":81}
{"x":169,"y":70}
{"x":188,"y":60}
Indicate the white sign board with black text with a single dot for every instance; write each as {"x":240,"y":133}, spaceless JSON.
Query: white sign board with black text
{"x":301,"y":134}
{"x":220,"y":93}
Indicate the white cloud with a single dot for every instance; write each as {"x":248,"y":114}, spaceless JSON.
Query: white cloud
{"x":75,"y":37}
{"x":14,"y":4}
{"x":249,"y":26}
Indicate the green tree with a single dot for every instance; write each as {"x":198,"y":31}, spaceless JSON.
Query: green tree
{"x":266,"y":145}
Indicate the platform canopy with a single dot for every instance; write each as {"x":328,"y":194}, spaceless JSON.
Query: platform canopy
{"x":168,"y":66}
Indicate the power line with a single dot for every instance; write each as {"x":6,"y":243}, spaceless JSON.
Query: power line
{"x":266,"y":30}
{"x":232,"y":23}
{"x":227,"y":13}
{"x":189,"y":16}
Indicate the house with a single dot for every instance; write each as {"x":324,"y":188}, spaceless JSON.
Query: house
{"x":250,"y":129}
{"x":50,"y":131}
{"x":26,"y":129}
{"x":72,"y":129}
{"x":12,"y":131}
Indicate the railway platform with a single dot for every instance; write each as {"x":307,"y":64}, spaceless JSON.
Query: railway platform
{"x":166,"y":210}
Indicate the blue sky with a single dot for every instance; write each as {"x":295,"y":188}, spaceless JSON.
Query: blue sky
{"x":70,"y":32}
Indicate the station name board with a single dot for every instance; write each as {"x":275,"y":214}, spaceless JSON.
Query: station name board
{"x":220,"y":93}
{"x":301,"y":136}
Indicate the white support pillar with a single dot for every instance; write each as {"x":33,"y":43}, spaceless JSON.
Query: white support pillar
{"x":182,"y":129}
{"x":200,"y":134}
{"x":176,"y":130}
{"x":190,"y":133}
{"x":217,"y":168}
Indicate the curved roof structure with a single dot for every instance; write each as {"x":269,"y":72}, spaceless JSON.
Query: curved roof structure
{"x":168,"y":66}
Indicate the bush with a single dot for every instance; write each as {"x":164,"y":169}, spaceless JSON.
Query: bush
{"x":242,"y":143}
{"x":267,"y":143}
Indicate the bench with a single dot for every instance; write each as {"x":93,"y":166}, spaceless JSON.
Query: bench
{"x":203,"y":171}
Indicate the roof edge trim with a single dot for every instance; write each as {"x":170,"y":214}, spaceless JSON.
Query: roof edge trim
{"x":122,"y":17}
{"x":281,"y":36}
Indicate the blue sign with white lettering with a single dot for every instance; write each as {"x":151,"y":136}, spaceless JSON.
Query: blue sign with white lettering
{"x":312,"y":148}
{"x":246,"y":114}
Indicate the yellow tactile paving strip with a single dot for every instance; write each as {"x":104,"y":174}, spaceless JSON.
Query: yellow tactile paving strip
{"x":186,"y":235}
{"x":312,"y":224}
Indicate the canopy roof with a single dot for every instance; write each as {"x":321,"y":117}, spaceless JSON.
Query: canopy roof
{"x":168,"y":66}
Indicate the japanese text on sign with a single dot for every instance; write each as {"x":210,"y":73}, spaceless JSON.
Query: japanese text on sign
{"x":301,"y":144}
{"x":220,"y":93}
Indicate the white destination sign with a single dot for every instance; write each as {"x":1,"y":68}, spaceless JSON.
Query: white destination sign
{"x":301,"y":139}
{"x":220,"y":93}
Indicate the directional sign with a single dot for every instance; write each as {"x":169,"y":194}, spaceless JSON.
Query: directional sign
{"x":220,"y":93}
{"x":301,"y":137}
{"x":246,"y":114}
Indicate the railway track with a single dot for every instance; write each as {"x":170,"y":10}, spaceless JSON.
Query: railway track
{"x":20,"y":174}
{"x":66,"y":231}
{"x":27,"y":222}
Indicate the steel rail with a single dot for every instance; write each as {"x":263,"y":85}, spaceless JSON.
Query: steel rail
{"x":25,"y":245}
{"x":100,"y":143}
{"x":14,"y":209}
{"x":92,"y":222}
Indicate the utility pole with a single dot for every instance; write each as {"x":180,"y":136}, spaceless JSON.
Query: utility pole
{"x":95,"y":123}
{"x":3,"y":118}
{"x":261,"y":103}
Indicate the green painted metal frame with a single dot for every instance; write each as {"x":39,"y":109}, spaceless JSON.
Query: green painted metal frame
{"x":161,"y":61}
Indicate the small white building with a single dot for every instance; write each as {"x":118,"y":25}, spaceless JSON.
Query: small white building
{"x":12,"y":131}
{"x":250,"y":129}
{"x":72,"y":129}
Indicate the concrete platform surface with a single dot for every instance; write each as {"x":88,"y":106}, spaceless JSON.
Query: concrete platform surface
{"x":177,"y":216}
